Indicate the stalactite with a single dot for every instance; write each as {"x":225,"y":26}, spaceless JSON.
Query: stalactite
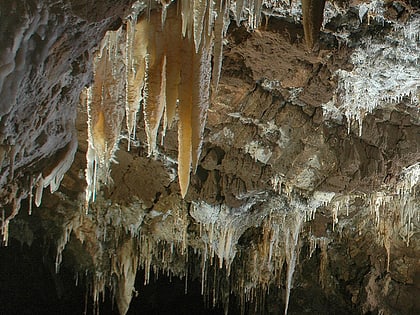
{"x":201,"y":96}
{"x":187,"y":19}
{"x":256,"y":14}
{"x":199,"y":11}
{"x":173,"y":44}
{"x":173,"y":55}
{"x":220,"y":27}
{"x":162,"y":70}
{"x":136,"y":51}
{"x":105,"y":106}
{"x":156,"y":79}
{"x":240,"y":5}
{"x":125,"y":266}
{"x":313,"y":14}
{"x":185,"y":115}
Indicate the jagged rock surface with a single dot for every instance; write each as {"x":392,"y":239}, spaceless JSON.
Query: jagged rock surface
{"x":276,"y":159}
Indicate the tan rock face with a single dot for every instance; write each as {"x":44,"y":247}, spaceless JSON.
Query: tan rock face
{"x":290,"y":207}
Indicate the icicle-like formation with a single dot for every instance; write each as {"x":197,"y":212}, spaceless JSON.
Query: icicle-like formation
{"x":154,"y":104}
{"x":113,"y":249}
{"x":261,"y":264}
{"x":187,"y":17}
{"x":410,"y":177}
{"x":199,"y":10}
{"x":173,"y":44}
{"x":178,"y":68}
{"x":383,"y":73}
{"x":105,"y":106}
{"x":412,"y":30}
{"x":62,"y":242}
{"x":382,"y":209}
{"x":313,"y":15}
{"x":49,"y":177}
{"x":125,"y":266}
{"x":256,"y":16}
{"x":375,"y":9}
{"x":200,"y":97}
{"x":136,"y":50}
{"x":220,"y":28}
{"x":221,"y":228}
{"x":240,"y":6}
{"x":5,"y":221}
{"x":410,"y":212}
{"x":55,"y":175}
{"x":393,"y":211}
{"x":169,"y":61}
{"x":291,"y":250}
{"x":185,"y":115}
{"x":323,"y":263}
{"x":278,"y":248}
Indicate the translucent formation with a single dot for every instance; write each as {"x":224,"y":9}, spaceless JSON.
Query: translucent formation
{"x":167,"y":61}
{"x":169,"y":69}
{"x":154,"y":103}
{"x":173,"y":43}
{"x":178,"y":56}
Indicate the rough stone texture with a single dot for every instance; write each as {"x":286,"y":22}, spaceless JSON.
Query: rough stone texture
{"x":47,"y":50}
{"x":270,"y":150}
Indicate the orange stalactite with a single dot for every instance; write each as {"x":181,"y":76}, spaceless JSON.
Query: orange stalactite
{"x":168,"y":67}
{"x":136,"y":47}
{"x":185,"y":115}
{"x":173,"y":44}
{"x":156,"y":78}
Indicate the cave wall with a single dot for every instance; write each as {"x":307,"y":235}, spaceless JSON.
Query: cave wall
{"x":46,"y":60}
{"x":301,"y":191}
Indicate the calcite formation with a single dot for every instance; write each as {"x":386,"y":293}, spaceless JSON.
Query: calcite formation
{"x":275,"y":158}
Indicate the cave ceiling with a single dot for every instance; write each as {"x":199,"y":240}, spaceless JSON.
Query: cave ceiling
{"x":269,"y":149}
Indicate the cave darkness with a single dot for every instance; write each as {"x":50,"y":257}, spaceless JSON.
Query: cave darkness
{"x":30,"y":286}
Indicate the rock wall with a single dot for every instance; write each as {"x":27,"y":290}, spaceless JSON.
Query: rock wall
{"x":306,"y":194}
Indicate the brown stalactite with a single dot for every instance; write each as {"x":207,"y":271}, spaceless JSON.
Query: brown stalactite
{"x":313,"y":14}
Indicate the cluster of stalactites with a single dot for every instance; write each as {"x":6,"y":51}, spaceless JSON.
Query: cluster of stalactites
{"x":171,"y":62}
{"x":279,"y":248}
{"x":105,"y":109}
{"x":169,"y":69}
